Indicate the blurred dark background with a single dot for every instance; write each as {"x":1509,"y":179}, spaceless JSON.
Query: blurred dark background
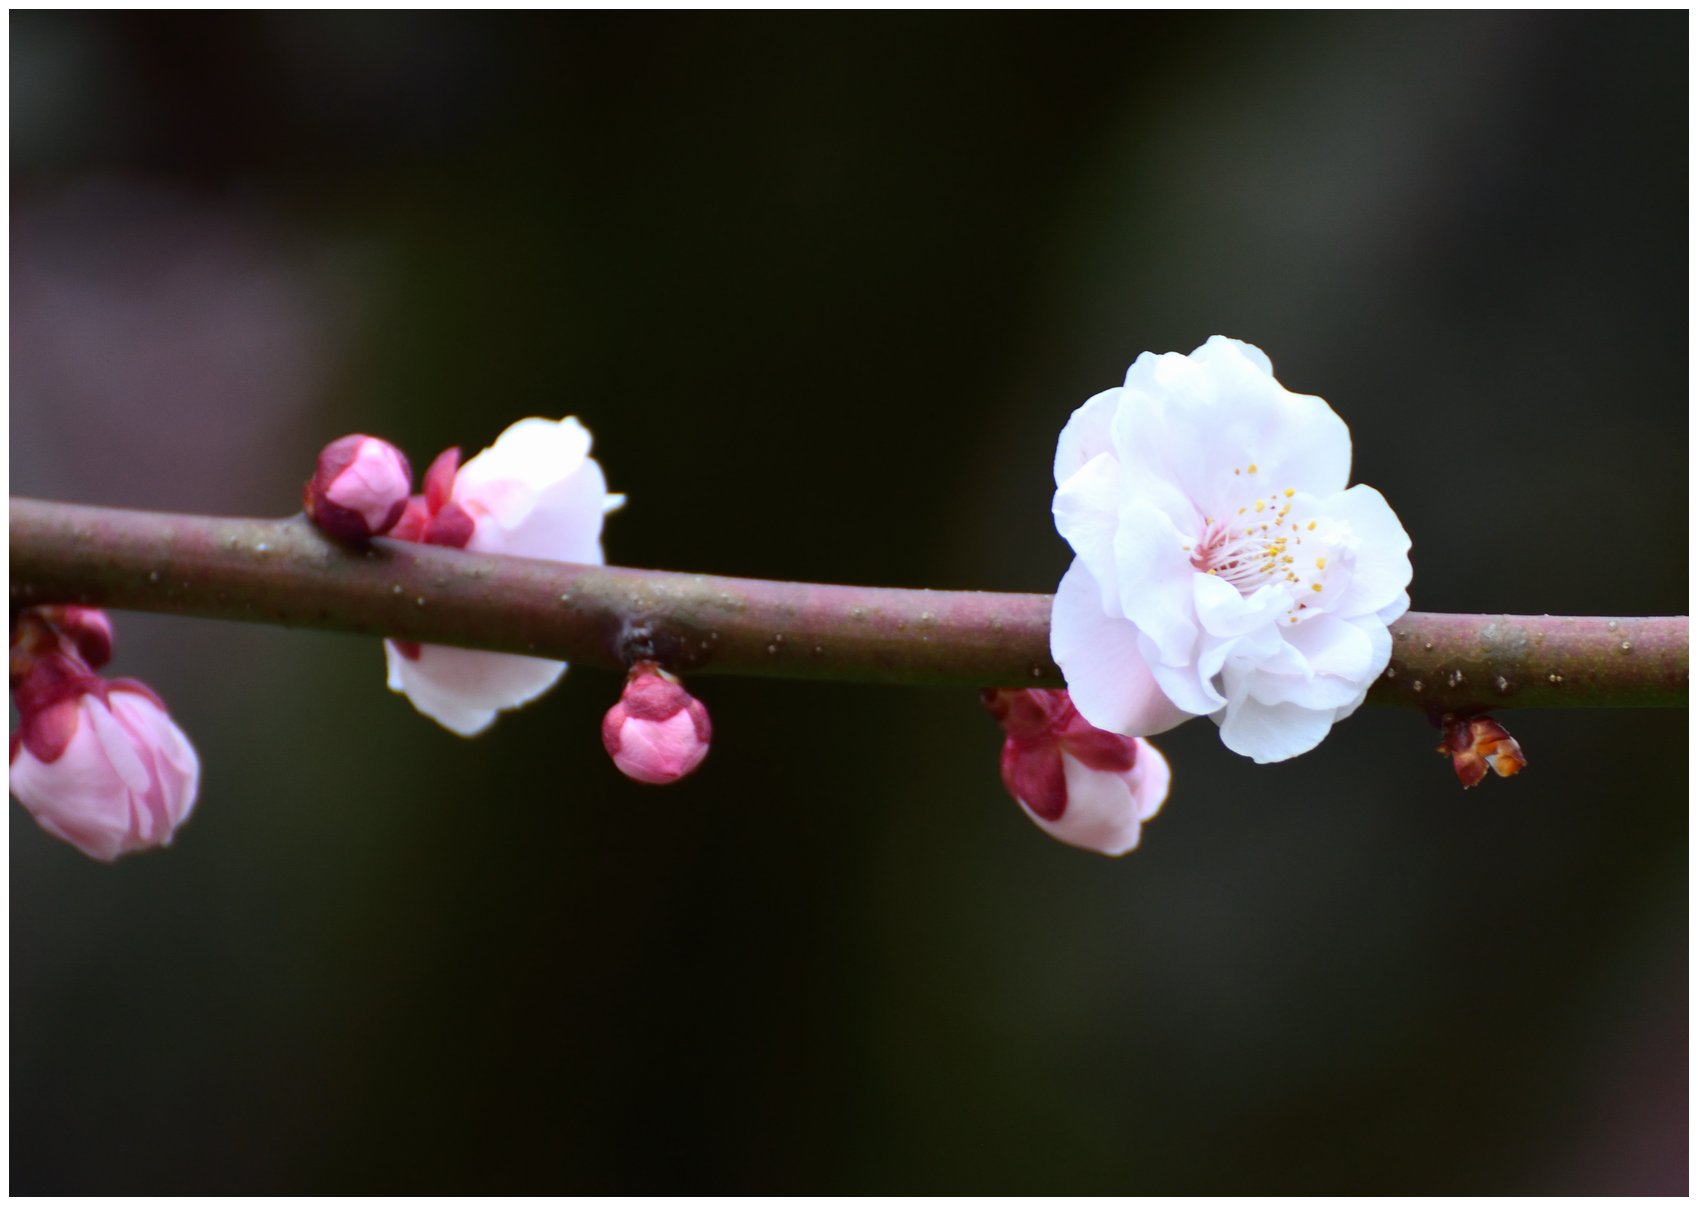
{"x":825,"y":288}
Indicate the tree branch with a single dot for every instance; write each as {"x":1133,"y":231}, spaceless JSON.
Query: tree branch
{"x":285,"y":572}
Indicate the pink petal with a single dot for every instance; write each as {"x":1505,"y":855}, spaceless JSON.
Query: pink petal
{"x":1272,"y":732}
{"x":1381,"y":570}
{"x":1107,"y":676}
{"x":1154,"y":572}
{"x":463,"y":689}
{"x":1086,"y":434}
{"x":1086,"y":514}
{"x":658,"y":751}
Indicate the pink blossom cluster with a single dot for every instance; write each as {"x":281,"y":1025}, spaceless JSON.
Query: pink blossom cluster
{"x":1222,"y":569}
{"x":535,"y":492}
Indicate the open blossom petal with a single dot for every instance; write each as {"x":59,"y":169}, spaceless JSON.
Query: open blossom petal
{"x":1381,"y":572}
{"x":535,"y":492}
{"x":1085,"y":516}
{"x":464,"y":689}
{"x":1272,"y":732}
{"x":1086,"y":435}
{"x":1153,"y":572}
{"x":1241,"y":578}
{"x":1111,"y":682}
{"x":1189,"y":420}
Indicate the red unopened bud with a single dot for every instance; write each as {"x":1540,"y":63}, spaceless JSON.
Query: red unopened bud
{"x":360,"y":489}
{"x":658,"y":732}
{"x":1478,"y":743}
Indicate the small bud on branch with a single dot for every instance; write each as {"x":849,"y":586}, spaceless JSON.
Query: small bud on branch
{"x":658,"y":732}
{"x":284,"y":572}
{"x":359,"y":490}
{"x":1476,"y":744}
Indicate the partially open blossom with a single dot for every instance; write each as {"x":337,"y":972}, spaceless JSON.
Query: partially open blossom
{"x":658,"y":732}
{"x":1222,"y":568}
{"x":99,"y":765}
{"x":1476,"y":744}
{"x":1079,"y":784}
{"x":535,"y":492}
{"x":360,"y":489}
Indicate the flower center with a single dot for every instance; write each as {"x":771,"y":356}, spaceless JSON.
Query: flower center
{"x":1263,"y":543}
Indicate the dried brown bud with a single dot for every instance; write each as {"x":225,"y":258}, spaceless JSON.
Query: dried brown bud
{"x":1476,"y":743}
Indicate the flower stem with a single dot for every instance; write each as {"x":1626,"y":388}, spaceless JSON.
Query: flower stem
{"x":282,"y":571}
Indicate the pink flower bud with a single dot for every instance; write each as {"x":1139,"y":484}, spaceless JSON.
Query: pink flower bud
{"x":1081,"y":785}
{"x":102,"y":766}
{"x":360,"y":489}
{"x":657,"y":732}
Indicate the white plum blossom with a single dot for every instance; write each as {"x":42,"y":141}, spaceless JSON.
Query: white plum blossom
{"x":1222,"y":568}
{"x":535,"y":492}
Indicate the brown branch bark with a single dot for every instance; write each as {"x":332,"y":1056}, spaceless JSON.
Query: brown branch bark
{"x":285,"y":572}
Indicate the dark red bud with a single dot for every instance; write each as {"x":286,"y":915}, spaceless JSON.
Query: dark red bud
{"x":359,"y":490}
